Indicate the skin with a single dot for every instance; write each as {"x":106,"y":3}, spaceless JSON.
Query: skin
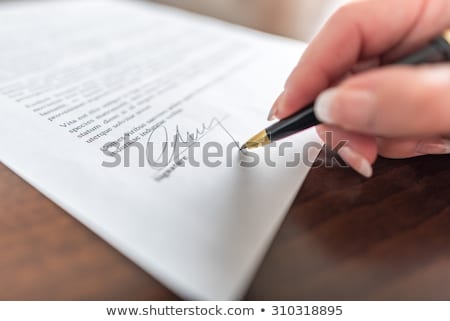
{"x":396,"y":112}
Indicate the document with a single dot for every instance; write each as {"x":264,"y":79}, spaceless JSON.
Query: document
{"x":129,"y":115}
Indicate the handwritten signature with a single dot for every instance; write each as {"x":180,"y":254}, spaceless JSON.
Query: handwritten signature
{"x":170,"y":151}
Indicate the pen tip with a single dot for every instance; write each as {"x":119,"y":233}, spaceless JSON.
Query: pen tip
{"x":260,"y":139}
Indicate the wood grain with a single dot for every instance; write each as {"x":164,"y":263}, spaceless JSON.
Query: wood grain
{"x":348,"y":238}
{"x":48,"y":255}
{"x":345,"y":238}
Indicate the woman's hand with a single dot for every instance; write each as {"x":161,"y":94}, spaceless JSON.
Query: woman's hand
{"x":397,"y":112}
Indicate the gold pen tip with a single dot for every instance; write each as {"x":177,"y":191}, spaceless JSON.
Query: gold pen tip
{"x":259,"y":140}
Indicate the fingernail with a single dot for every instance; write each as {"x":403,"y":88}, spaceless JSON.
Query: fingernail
{"x":356,"y":161}
{"x":436,"y":147}
{"x":274,"y":111}
{"x":357,"y":105}
{"x":323,"y":105}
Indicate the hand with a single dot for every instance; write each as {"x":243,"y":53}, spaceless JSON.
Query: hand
{"x":397,"y":112}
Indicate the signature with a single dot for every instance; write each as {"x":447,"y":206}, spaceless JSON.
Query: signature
{"x":167,"y":151}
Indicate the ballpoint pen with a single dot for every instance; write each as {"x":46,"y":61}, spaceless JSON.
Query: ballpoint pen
{"x":436,"y":51}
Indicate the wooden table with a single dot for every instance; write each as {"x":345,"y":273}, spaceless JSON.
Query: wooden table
{"x":345,"y":238}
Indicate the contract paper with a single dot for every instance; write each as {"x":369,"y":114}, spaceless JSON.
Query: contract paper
{"x":129,"y":116}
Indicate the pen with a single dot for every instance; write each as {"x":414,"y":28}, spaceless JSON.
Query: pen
{"x":436,"y":51}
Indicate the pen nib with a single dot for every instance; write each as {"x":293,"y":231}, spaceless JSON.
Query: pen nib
{"x":259,"y":140}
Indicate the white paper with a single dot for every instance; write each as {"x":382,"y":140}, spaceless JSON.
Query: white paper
{"x":75,"y":76}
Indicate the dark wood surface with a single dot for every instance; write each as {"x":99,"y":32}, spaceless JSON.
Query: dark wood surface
{"x":345,"y":238}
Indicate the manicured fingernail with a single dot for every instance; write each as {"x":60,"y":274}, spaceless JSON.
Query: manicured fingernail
{"x":274,"y":111}
{"x":323,"y":106}
{"x":436,"y":147}
{"x":355,"y":104}
{"x":356,"y":161}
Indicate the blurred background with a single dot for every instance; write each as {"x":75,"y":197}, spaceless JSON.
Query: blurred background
{"x":299,"y":19}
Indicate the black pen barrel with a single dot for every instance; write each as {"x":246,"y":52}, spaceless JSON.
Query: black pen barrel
{"x":437,"y":51}
{"x":294,"y":124}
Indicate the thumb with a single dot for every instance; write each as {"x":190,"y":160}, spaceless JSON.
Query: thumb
{"x":391,"y":102}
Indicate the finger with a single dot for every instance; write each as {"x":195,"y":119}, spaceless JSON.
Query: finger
{"x":365,"y":65}
{"x":391,"y":102}
{"x":412,"y":147}
{"x":358,"y":151}
{"x":359,"y":31}
{"x":423,"y":30}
